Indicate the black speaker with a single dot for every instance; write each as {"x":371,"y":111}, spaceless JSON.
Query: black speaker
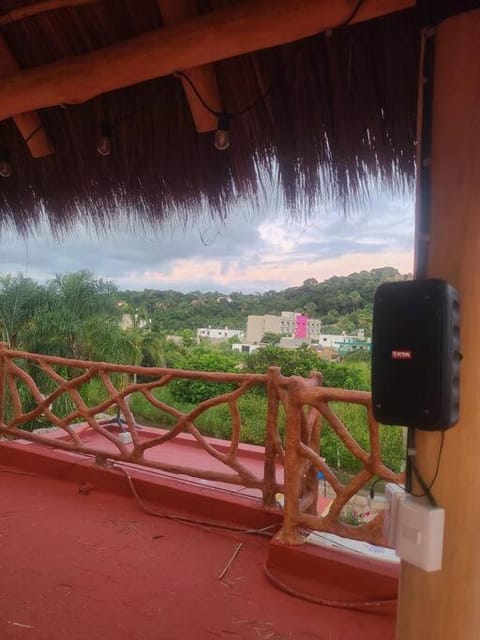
{"x":416,"y":354}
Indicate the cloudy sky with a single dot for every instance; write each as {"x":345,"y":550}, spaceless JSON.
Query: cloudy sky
{"x":249,"y":252}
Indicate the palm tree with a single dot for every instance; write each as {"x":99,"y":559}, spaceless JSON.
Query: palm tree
{"x":74,"y":316}
{"x":80,"y":319}
{"x":20,"y":300}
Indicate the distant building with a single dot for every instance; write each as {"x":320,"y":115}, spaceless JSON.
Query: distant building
{"x":301,"y":326}
{"x":344,"y":343}
{"x":257,"y":326}
{"x":289,"y":324}
{"x":218,"y":335}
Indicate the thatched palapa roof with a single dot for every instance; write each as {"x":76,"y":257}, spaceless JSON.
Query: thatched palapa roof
{"x":333,"y":114}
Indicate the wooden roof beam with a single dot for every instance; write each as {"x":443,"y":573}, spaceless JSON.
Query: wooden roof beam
{"x":232,"y":31}
{"x":28,"y":123}
{"x":20,"y":13}
{"x":203,"y":77}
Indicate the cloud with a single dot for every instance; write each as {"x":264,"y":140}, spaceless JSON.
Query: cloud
{"x":246,"y":253}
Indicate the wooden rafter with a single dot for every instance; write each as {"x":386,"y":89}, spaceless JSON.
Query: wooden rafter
{"x":28,"y":123}
{"x":203,"y":78}
{"x":35,"y":9}
{"x":242,"y":28}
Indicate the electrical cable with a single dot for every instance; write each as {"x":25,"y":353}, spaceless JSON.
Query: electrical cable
{"x":408,"y":464}
{"x":218,"y":114}
{"x":437,"y":468}
{"x":266,"y":93}
{"x":264,"y":531}
{"x":228,"y":115}
{"x":372,"y":487}
{"x":361,"y":605}
{"x":426,"y":488}
{"x":355,"y":10}
{"x":19,"y":473}
{"x":35,"y":131}
{"x":154,"y":471}
{"x":414,"y":470}
{"x":180,"y":74}
{"x":423,"y":232}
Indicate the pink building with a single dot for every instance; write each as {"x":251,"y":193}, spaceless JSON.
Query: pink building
{"x":301,"y":324}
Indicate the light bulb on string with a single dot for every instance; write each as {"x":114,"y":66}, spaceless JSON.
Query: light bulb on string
{"x":5,"y":163}
{"x":105,"y":139}
{"x":222,"y":134}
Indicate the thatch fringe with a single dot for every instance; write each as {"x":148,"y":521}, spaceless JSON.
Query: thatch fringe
{"x":338,"y":122}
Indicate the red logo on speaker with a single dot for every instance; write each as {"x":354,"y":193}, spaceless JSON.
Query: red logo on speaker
{"x":402,"y":355}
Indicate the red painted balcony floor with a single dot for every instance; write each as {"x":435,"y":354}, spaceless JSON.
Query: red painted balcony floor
{"x":95,"y":566}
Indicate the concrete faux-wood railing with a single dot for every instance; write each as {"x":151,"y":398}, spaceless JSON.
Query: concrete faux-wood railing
{"x":305,"y":402}
{"x":67,"y":376}
{"x":308,"y":411}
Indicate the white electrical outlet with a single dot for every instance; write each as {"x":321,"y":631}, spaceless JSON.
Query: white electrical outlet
{"x":419,"y":533}
{"x":393,"y":495}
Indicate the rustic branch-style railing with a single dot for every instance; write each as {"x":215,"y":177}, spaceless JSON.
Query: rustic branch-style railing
{"x":308,"y":410}
{"x":31,"y":386}
{"x":66,"y":377}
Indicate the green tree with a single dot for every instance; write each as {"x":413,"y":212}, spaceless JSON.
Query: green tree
{"x":204,"y":359}
{"x":150,"y":347}
{"x":188,"y":338}
{"x":310,"y":309}
{"x":301,"y":362}
{"x":20,"y":300}
{"x":270,"y":338}
{"x":78,"y":318}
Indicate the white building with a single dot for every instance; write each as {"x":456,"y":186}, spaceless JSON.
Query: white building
{"x":218,"y":335}
{"x":343,"y":341}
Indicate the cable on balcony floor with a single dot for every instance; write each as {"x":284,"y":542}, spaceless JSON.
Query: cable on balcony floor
{"x":264,"y":531}
{"x":359,"y":605}
{"x":372,"y":606}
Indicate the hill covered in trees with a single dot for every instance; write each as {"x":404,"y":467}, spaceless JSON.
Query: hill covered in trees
{"x":342,"y":303}
{"x":79,"y":316}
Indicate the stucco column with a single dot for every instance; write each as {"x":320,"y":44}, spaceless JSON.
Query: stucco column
{"x":445,"y":605}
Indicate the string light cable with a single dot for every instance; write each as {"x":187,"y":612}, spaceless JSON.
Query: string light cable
{"x":33,"y":133}
{"x":352,"y":15}
{"x":222,"y":139}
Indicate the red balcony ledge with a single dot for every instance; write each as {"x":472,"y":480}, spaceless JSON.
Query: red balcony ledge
{"x":84,"y":558}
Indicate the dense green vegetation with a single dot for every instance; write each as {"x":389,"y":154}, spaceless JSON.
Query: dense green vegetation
{"x":73,"y":316}
{"x":78,"y":316}
{"x":216,"y":422}
{"x":342,"y":303}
